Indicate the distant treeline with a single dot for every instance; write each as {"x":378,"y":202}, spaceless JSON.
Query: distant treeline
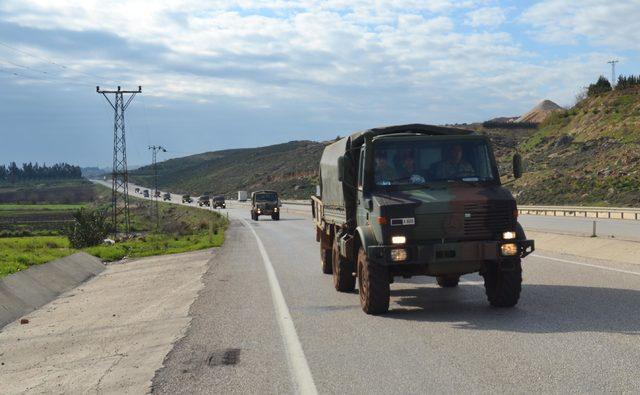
{"x":603,"y":85}
{"x":29,"y":171}
{"x":509,"y":125}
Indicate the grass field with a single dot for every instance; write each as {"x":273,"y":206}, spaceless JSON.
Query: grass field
{"x":18,"y":253}
{"x":40,"y":227}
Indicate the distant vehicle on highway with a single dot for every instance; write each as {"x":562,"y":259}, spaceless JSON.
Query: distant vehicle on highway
{"x":137,"y":190}
{"x":417,"y":200}
{"x":219,"y":202}
{"x":265,"y":203}
{"x":145,"y":193}
{"x":186,"y":199}
{"x":157,"y":194}
{"x":242,"y":196}
{"x":204,"y":200}
{"x":166,"y":196}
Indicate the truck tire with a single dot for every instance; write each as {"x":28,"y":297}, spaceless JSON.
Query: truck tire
{"x":373,"y":285}
{"x":342,"y":269}
{"x":449,"y":281}
{"x":275,"y":217}
{"x":325,"y":259}
{"x":503,"y":286}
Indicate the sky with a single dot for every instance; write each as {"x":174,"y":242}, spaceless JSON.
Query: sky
{"x":246,"y":73}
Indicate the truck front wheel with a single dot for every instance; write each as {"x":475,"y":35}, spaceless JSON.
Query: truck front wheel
{"x":325,"y":259}
{"x":373,"y":284}
{"x":503,"y":284}
{"x":343,"y":279}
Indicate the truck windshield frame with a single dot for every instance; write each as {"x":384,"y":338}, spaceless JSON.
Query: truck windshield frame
{"x":266,"y":197}
{"x":426,"y":161}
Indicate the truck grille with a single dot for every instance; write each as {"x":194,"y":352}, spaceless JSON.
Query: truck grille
{"x":487,"y":220}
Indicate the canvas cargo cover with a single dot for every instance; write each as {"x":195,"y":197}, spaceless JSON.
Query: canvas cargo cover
{"x":331,"y":189}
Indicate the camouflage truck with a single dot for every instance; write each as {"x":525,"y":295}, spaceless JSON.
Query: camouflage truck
{"x":265,"y":203}
{"x":417,"y":200}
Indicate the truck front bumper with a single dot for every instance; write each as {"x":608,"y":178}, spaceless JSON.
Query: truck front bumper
{"x":463,"y":251}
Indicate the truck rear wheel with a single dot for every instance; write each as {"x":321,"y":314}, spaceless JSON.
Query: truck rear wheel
{"x":449,"y":281}
{"x":503,"y":286}
{"x":373,"y":284}
{"x":343,"y":279}
{"x":325,"y":259}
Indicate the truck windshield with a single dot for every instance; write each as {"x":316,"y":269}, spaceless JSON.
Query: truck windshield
{"x":266,"y":197}
{"x":425,"y":161}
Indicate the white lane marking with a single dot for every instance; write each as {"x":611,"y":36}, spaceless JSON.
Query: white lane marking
{"x":586,"y":264}
{"x":295,"y":355}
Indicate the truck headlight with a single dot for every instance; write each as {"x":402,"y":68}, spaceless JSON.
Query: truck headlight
{"x":509,"y":235}
{"x":275,"y":209}
{"x":258,"y":211}
{"x":399,"y":254}
{"x":509,"y":249}
{"x":398,"y":239}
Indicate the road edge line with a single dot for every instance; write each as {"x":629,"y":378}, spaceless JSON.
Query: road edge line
{"x":298,"y":365}
{"x":585,"y":264}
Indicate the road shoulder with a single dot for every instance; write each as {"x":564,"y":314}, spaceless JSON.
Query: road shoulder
{"x":107,"y":335}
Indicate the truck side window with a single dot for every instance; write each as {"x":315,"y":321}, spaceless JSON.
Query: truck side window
{"x":361,"y":169}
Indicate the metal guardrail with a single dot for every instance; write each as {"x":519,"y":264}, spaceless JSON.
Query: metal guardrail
{"x":584,"y":212}
{"x":626,"y":213}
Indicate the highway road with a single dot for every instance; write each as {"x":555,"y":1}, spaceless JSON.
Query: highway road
{"x":267,"y":305}
{"x":268,"y":321}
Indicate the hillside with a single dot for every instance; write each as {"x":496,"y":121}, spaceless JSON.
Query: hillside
{"x":290,"y":168}
{"x":589,"y":154}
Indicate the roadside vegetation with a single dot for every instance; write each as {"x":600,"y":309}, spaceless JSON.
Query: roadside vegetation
{"x":32,"y":234}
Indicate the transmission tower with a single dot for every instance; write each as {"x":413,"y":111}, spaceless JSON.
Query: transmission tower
{"x":154,"y":153}
{"x":613,"y":71}
{"x":119,"y":175}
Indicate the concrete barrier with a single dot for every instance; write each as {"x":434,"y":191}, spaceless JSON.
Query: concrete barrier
{"x":25,"y":291}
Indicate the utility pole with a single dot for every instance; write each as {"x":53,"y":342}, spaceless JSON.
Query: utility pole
{"x":613,"y":71}
{"x":154,"y":153}
{"x":119,"y":175}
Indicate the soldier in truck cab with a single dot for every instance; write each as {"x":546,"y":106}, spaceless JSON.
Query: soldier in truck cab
{"x":384,"y":172}
{"x":453,"y":166}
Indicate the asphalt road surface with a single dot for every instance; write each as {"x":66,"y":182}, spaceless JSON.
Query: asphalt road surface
{"x":268,"y":321}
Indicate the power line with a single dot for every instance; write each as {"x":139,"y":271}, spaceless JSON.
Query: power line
{"x":52,"y":62}
{"x":154,"y":153}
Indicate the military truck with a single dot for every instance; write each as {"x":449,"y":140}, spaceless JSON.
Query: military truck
{"x":414,"y":200}
{"x":186,"y":199}
{"x":265,"y":203}
{"x":166,"y":197}
{"x":219,"y":202}
{"x":145,"y":193}
{"x":204,"y":200}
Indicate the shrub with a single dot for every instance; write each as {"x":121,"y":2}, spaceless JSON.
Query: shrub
{"x":89,"y":228}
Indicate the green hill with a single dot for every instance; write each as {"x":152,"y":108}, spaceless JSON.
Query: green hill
{"x":290,"y":168}
{"x":587,"y":155}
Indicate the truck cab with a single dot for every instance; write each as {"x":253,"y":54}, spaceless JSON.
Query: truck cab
{"x":204,"y":200}
{"x":417,"y":200}
{"x":265,"y":203}
{"x":219,"y":202}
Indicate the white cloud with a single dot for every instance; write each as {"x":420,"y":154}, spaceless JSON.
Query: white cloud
{"x":601,"y":22}
{"x":487,"y":16}
{"x":399,"y":58}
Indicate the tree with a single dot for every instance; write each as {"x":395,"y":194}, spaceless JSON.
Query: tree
{"x":601,"y":86}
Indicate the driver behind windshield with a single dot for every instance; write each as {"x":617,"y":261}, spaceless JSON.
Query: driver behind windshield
{"x":384,"y":172}
{"x":407,"y":169}
{"x":453,"y":166}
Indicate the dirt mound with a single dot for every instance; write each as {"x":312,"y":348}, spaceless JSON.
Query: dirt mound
{"x":540,"y":112}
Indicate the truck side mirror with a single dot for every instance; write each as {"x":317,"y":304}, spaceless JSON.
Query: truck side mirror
{"x":517,"y":165}
{"x":341,"y":168}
